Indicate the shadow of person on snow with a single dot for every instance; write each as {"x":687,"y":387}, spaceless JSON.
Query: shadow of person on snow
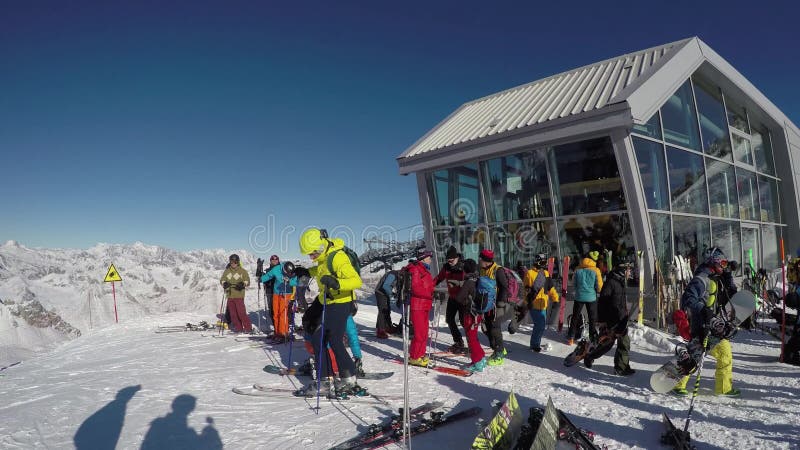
{"x":101,"y":430}
{"x":172,"y":431}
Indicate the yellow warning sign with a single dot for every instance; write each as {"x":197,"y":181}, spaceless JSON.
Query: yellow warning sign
{"x":112,"y":274}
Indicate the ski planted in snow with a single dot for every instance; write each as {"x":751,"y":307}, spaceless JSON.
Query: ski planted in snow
{"x":441,"y":369}
{"x":436,"y":421}
{"x":387,"y":428}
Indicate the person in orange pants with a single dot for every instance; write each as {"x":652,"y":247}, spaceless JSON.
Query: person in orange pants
{"x":284,"y":283}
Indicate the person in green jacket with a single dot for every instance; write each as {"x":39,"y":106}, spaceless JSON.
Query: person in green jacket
{"x":588,"y":283}
{"x":234,"y":280}
{"x":337,"y":279}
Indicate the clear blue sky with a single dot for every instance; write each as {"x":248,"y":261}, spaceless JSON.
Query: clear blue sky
{"x":186,"y":124}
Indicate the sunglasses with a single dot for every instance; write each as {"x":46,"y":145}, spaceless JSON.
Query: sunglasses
{"x":273,"y":259}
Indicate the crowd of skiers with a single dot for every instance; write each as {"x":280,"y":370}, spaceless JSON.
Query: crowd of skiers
{"x":480,"y":295}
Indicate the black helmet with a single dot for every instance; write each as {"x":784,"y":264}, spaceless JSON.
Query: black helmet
{"x":234,"y":258}
{"x":540,"y":260}
{"x":288,"y":269}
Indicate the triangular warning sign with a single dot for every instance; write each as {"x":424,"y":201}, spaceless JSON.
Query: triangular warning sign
{"x":112,"y":274}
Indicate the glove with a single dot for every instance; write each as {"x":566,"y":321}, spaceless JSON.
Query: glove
{"x":240,"y":286}
{"x":707,"y":314}
{"x":329,"y":282}
{"x":226,"y":285}
{"x":353,"y":309}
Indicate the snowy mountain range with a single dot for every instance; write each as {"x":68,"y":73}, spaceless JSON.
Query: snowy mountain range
{"x":51,"y":295}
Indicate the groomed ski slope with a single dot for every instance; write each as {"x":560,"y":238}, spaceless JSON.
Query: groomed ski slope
{"x":47,"y":398}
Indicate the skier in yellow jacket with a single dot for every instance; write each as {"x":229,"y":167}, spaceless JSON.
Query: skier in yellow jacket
{"x":337,"y":279}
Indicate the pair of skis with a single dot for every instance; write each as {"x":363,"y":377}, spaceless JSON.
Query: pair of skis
{"x":438,"y":368}
{"x":379,"y":431}
{"x":394,"y":434}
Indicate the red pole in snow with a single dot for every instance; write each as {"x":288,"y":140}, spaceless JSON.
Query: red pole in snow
{"x":114,"y":294}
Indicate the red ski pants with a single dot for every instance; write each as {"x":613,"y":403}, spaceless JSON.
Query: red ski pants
{"x":471,"y":326}
{"x":419,"y":320}
{"x":239,"y":320}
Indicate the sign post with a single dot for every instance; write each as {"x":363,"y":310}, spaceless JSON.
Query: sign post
{"x":111,"y":276}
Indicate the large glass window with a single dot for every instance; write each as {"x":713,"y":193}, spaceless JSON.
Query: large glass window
{"x":713,"y":126}
{"x":750,"y":248}
{"x":762,"y":150}
{"x":455,"y":198}
{"x":517,"y":187}
{"x":662,"y":237}
{"x":687,"y":181}
{"x":587,"y":178}
{"x":748,"y":194}
{"x":737,"y":117}
{"x":726,"y":236}
{"x":722,"y":189}
{"x":469,"y":240}
{"x":768,"y":199}
{"x":741,"y":149}
{"x":580,"y":235}
{"x":520,"y":242}
{"x":769,"y":247}
{"x":650,"y":158}
{"x":692,"y":235}
{"x":651,"y":129}
{"x":680,"y":119}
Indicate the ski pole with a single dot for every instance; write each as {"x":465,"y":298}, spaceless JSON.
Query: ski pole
{"x":406,"y":442}
{"x":222,"y":312}
{"x":321,"y":345}
{"x":696,"y":386}
{"x":258,"y":297}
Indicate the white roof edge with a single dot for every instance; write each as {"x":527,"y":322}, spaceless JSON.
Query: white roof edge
{"x":761,"y":100}
{"x":431,"y":131}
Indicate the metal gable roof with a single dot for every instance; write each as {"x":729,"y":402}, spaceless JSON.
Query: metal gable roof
{"x":566,"y":94}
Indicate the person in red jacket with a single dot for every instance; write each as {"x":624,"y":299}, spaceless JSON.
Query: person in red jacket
{"x":453,"y":274}
{"x":421,"y":303}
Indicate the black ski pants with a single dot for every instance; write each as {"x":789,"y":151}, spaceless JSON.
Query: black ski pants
{"x":575,"y":323}
{"x":494,"y":325}
{"x":334,"y":325}
{"x":453,"y":309}
{"x":384,"y":321}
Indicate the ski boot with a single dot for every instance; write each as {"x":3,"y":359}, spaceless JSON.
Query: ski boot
{"x":419,"y":362}
{"x":478,"y":366}
{"x":345,"y":387}
{"x":498,"y":358}
{"x":326,"y":389}
{"x":457,"y":348}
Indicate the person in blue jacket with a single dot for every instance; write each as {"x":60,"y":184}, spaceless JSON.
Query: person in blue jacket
{"x":588,"y":284}
{"x":283,"y":293}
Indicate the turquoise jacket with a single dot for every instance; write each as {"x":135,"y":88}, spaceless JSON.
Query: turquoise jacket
{"x":281,"y":287}
{"x":588,"y":281}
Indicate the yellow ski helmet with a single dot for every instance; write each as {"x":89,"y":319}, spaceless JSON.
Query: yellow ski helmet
{"x":311,"y":240}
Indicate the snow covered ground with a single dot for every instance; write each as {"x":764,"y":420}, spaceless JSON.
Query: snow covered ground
{"x":114,"y":381}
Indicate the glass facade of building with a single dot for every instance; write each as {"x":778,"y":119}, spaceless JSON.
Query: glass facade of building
{"x":707,"y":177}
{"x":720,"y":178}
{"x":561,"y":200}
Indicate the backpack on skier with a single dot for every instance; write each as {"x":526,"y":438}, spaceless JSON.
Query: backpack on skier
{"x":514,"y":283}
{"x":351,"y":254}
{"x":485,"y":295}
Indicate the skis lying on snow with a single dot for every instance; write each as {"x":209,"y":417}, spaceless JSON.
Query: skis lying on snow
{"x":260,"y":390}
{"x":441,"y":369}
{"x":283,"y":371}
{"x":380,"y":430}
{"x":675,"y":437}
{"x":202,"y":326}
{"x":436,"y":421}
{"x":504,"y":428}
{"x":10,"y":366}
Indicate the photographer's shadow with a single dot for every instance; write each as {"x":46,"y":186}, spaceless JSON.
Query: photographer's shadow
{"x":101,"y":430}
{"x":172,"y":430}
